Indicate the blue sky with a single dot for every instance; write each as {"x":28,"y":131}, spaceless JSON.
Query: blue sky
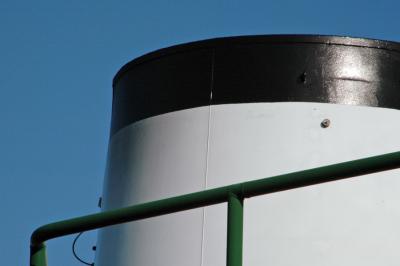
{"x":57,"y":61}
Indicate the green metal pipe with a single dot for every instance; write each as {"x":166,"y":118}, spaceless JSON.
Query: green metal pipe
{"x":234,"y":244}
{"x":38,"y":255}
{"x":127,"y":214}
{"x":217,"y":195}
{"x":321,"y":174}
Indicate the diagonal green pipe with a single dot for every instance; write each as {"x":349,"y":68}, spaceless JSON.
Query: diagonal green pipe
{"x":209,"y":197}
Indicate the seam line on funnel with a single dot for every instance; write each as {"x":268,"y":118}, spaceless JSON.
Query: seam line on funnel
{"x":207,"y":155}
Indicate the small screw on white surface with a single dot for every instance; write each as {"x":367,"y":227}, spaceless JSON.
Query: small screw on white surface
{"x":325,"y":123}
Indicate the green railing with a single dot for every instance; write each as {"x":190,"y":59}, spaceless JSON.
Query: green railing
{"x":232,"y":194}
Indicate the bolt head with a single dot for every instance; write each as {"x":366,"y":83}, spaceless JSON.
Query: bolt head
{"x":325,"y":123}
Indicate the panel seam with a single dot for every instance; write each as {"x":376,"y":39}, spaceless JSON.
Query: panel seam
{"x":207,"y":154}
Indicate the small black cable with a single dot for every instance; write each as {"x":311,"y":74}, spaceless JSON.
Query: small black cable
{"x":75,"y":255}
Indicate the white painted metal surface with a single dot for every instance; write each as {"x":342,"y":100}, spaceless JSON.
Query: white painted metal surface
{"x":348,"y":222}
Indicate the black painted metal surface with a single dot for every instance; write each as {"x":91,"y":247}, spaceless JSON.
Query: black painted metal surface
{"x":282,"y":68}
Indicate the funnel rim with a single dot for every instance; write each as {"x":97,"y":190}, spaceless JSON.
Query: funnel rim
{"x":254,"y":39}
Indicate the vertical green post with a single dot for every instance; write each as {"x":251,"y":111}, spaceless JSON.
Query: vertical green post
{"x":38,"y":255}
{"x":235,"y":231}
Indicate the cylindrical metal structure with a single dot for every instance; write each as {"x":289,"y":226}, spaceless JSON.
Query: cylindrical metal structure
{"x":223,"y":111}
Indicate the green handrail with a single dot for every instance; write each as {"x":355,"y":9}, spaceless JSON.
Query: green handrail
{"x":233,"y":194}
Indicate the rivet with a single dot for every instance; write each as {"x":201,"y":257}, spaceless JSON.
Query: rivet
{"x":99,"y":202}
{"x":303,"y":77}
{"x":325,"y":123}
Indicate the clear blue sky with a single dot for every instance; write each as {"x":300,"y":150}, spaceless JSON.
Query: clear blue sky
{"x":57,"y":60}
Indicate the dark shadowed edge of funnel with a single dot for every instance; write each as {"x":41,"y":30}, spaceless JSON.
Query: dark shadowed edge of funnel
{"x":263,"y":68}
